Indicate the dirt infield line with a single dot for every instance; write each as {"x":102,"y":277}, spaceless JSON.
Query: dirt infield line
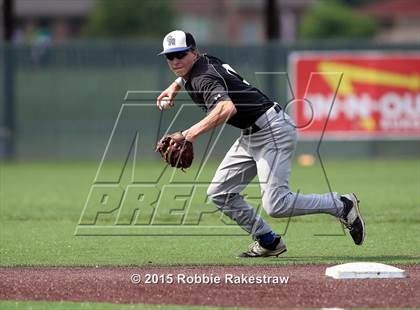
{"x":257,"y":286}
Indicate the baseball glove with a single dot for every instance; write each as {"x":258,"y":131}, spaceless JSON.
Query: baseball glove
{"x":175,"y":150}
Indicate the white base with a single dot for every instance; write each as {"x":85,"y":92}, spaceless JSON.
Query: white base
{"x":364,"y":271}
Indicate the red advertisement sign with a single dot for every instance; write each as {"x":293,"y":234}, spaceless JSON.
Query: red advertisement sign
{"x":356,"y":95}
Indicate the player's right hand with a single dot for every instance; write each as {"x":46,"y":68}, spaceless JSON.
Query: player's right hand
{"x":170,"y":92}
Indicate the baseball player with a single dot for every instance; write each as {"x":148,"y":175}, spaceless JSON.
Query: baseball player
{"x":265,"y":147}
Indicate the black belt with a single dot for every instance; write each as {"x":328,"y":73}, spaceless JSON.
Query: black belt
{"x":254,"y":128}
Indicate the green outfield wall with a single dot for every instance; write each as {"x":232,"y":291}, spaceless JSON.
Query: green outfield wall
{"x":67,"y":99}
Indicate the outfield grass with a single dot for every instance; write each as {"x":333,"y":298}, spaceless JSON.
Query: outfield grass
{"x":44,"y":305}
{"x":41,"y":203}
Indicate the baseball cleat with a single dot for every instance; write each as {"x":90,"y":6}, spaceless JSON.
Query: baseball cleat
{"x":256,"y":250}
{"x":352,"y":218}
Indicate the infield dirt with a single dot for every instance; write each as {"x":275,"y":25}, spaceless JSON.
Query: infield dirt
{"x":306,"y":287}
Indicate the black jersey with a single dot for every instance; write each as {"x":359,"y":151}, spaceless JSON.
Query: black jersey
{"x":211,"y":80}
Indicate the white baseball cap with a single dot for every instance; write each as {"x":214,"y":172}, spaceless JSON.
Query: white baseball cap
{"x":177,"y":41}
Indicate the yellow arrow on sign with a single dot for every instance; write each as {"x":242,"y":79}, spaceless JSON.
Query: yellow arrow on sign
{"x":352,"y":73}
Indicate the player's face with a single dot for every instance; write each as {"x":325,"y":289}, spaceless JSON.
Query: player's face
{"x":181,"y":62}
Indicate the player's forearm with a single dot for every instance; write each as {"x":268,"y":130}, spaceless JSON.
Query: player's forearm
{"x":175,"y":86}
{"x":219,"y":115}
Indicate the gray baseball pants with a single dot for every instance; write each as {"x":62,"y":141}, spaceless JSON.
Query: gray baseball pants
{"x":267,"y":153}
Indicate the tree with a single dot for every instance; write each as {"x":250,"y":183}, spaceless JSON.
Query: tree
{"x":130,"y":18}
{"x":334,"y":20}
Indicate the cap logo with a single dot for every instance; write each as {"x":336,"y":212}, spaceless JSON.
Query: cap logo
{"x":170,"y":40}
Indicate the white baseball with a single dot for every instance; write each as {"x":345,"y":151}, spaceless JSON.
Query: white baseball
{"x":165,"y":103}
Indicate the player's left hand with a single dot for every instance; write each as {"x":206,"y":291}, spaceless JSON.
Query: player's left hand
{"x":176,"y":150}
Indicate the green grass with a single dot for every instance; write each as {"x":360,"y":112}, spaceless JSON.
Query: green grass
{"x":41,"y":203}
{"x":41,"y":305}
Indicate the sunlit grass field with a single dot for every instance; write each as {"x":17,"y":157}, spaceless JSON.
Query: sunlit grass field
{"x":42,"y":203}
